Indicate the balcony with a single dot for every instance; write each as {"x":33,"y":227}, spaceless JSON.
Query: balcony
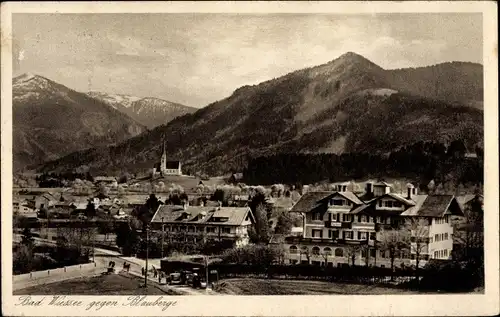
{"x":333,"y":224}
{"x":364,"y":225}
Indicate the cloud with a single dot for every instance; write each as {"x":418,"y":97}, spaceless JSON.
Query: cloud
{"x":198,"y":58}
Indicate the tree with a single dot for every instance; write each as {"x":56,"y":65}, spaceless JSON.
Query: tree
{"x":27,"y":238}
{"x":419,"y":242}
{"x":393,"y":241}
{"x":284,"y":223}
{"x":260,"y":232}
{"x":352,"y":251}
{"x":90,"y":210}
{"x":469,"y":232}
{"x":127,"y":239}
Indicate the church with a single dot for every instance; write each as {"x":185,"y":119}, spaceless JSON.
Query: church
{"x":165,"y":167}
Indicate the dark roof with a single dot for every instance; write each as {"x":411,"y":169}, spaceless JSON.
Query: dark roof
{"x":200,"y":215}
{"x":313,"y":200}
{"x":310,"y":201}
{"x":172,"y":164}
{"x":437,"y":205}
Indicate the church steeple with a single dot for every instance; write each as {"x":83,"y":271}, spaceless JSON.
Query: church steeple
{"x":163,"y":162}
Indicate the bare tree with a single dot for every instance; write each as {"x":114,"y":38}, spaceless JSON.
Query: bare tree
{"x":418,"y":229}
{"x":352,"y":252}
{"x":393,"y":241}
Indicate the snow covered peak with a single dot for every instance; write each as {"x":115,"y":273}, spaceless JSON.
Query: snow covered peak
{"x":30,"y":81}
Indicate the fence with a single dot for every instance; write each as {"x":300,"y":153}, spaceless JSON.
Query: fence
{"x":310,"y":272}
{"x":58,"y":272}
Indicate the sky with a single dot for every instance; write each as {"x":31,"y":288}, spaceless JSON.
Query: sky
{"x":196,"y":59}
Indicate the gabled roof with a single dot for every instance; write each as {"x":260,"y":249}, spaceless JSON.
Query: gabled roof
{"x":434,"y":206}
{"x":352,"y":197}
{"x":201,"y":215}
{"x":382,"y":184}
{"x":310,"y":201}
{"x":49,"y":196}
{"x":464,"y":199}
{"x":437,"y":205}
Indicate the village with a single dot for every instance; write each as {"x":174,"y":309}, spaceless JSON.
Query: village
{"x":217,"y":234}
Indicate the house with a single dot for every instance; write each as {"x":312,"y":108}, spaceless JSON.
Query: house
{"x":106,"y":181}
{"x":335,"y":222}
{"x":25,"y":208}
{"x":197,"y":223}
{"x":235,"y":178}
{"x":45,"y":200}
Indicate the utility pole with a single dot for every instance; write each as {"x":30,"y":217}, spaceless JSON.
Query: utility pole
{"x":147,"y":255}
{"x":162,"y":235}
{"x":206,"y":270}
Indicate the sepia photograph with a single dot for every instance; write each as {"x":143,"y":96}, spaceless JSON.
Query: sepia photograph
{"x":164,"y":155}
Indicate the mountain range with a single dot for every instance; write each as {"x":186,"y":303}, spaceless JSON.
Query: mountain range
{"x":149,"y":111}
{"x":349,"y":104}
{"x":51,"y":120}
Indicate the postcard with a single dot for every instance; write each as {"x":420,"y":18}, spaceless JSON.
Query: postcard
{"x":249,"y":158}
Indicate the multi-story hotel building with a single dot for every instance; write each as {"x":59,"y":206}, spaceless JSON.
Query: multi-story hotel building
{"x":338,"y":221}
{"x":192,"y":223}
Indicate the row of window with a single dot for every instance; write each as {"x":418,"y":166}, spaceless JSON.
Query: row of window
{"x":339,"y":252}
{"x":225,"y":230}
{"x":340,"y":202}
{"x":352,"y":235}
{"x":438,"y":221}
{"x":441,"y":237}
{"x":340,"y":217}
{"x":390,"y":204}
{"x":441,"y":254}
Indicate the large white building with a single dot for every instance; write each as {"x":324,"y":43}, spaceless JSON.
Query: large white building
{"x":336,"y":222}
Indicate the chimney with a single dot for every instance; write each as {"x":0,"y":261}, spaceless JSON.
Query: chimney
{"x":410,"y":191}
{"x":369,"y":188}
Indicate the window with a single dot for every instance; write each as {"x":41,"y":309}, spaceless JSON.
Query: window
{"x":334,"y":234}
{"x":327,"y":251}
{"x":315,"y":250}
{"x":430,"y":240}
{"x":362,"y":235}
{"x":379,"y":219}
{"x":397,"y":204}
{"x":363,"y":253}
{"x":446,"y":219}
{"x":211,"y":229}
{"x":372,"y":253}
{"x":317,"y":216}
{"x":388,"y":220}
{"x":337,"y":202}
{"x":338,"y":217}
{"x":380,"y":203}
{"x":348,"y":234}
{"x":436,"y":238}
{"x":293,"y":249}
{"x":226,"y":230}
{"x":446,"y":236}
{"x":371,"y":220}
{"x":346,"y":217}
{"x":388,"y":203}
{"x":339,"y":252}
{"x":363,"y":218}
{"x":317,"y":233}
{"x":446,"y":253}
{"x":190,"y":229}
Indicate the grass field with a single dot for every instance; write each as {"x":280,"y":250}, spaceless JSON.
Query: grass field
{"x":114,"y":284}
{"x":301,"y":287}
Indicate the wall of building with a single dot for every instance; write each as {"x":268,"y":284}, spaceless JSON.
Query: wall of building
{"x":444,"y":245}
